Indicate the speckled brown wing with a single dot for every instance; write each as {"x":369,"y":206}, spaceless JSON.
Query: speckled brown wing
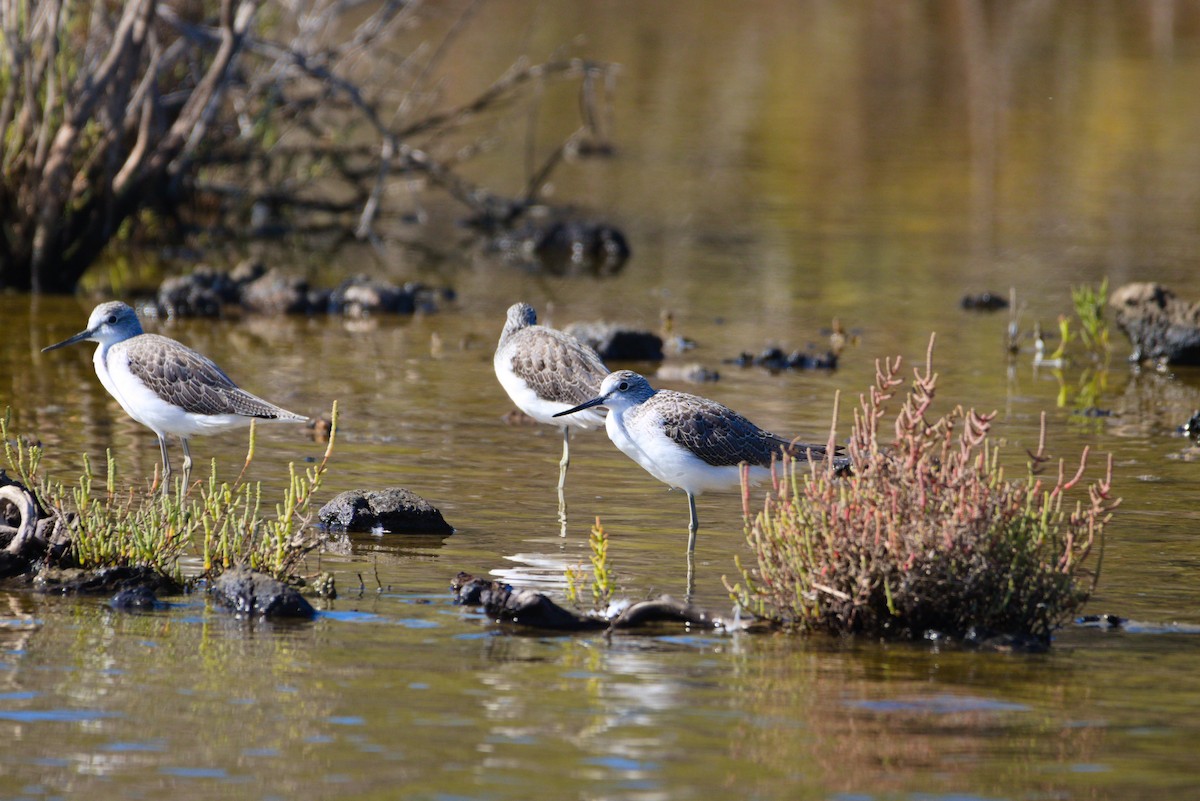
{"x":719,"y":435}
{"x":556,"y":366}
{"x":185,"y":378}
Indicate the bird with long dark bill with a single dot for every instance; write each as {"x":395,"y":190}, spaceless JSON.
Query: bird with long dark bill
{"x":686,"y":441}
{"x":165,"y":385}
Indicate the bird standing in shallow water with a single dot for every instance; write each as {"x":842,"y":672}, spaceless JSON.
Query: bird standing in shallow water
{"x":685,"y":441}
{"x":164,"y":385}
{"x":546,"y":371}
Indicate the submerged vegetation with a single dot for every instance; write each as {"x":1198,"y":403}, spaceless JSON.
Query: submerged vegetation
{"x":1082,"y":340}
{"x":603,"y":583}
{"x":928,"y":536}
{"x":222,"y":522}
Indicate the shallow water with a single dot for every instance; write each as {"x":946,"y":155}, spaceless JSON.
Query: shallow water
{"x":777,"y":167}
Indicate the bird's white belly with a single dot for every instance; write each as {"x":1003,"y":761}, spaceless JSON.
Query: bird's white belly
{"x":671,"y":463}
{"x":538,"y":408}
{"x":145,"y":406}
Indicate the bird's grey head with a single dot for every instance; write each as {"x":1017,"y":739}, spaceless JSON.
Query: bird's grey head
{"x":520,"y":315}
{"x":110,"y":322}
{"x":625,"y":388}
{"x":619,"y":390}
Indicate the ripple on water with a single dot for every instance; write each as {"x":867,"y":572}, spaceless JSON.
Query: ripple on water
{"x":941,"y":704}
{"x":350,"y":616}
{"x":149,"y":746}
{"x":194,"y":773}
{"x":56,"y":715}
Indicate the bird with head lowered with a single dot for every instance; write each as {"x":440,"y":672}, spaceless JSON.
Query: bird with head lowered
{"x":545,"y":371}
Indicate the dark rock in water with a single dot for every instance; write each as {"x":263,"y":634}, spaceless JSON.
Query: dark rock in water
{"x":1101,"y":621}
{"x":106,"y":581}
{"x":250,"y":594}
{"x":276,"y":293}
{"x":205,"y":292}
{"x":617,"y":343}
{"x":525,"y":607}
{"x":798,"y":360}
{"x":776,"y":360}
{"x":984,"y":301}
{"x":361,"y":296}
{"x":394,"y":510}
{"x":201,"y":293}
{"x":136,"y":599}
{"x":534,"y":609}
{"x":1160,"y":326}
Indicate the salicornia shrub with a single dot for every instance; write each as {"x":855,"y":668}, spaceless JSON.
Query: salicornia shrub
{"x":927,"y":534}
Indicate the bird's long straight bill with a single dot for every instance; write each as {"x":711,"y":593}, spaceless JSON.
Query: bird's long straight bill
{"x":582,"y":406}
{"x":82,"y":335}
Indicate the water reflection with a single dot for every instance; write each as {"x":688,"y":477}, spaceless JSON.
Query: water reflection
{"x":936,"y":726}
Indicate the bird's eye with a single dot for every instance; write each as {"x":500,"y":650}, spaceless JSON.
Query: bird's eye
{"x":623,"y":386}
{"x":111,"y":319}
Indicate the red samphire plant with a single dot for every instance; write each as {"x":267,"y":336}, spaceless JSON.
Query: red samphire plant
{"x":926,"y":535}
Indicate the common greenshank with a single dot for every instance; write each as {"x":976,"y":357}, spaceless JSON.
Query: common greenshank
{"x":164,"y":385}
{"x":685,"y":441}
{"x":546,"y":371}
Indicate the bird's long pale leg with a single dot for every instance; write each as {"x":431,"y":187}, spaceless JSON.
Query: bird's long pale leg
{"x":566,"y":458}
{"x":187,"y":463}
{"x":166,"y":474}
{"x":693,"y":526}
